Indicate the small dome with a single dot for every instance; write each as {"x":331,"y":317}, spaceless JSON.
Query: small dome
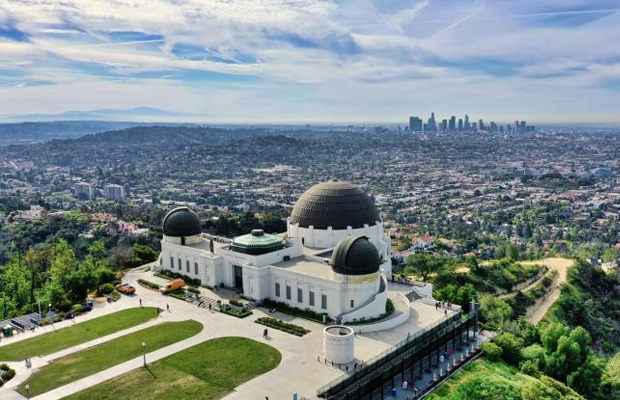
{"x":335,"y":204}
{"x":355,"y":255}
{"x":256,"y":243}
{"x":182,"y":222}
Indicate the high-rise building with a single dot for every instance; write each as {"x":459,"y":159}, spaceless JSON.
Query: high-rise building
{"x":84,"y":190}
{"x":432,"y":125}
{"x":415,"y":124}
{"x":523,"y":127}
{"x":516,"y":127}
{"x":460,"y":124}
{"x":452,"y":124}
{"x":467,"y":126}
{"x":444,"y":125}
{"x":114,"y":192}
{"x":481,"y":124}
{"x":474,"y":127}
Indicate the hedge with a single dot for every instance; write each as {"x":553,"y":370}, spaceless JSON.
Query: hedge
{"x":148,"y":284}
{"x":166,"y":274}
{"x":8,"y":374}
{"x":235,"y":313}
{"x":298,"y":312}
{"x":282,"y":326}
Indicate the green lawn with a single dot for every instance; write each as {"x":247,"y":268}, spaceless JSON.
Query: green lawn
{"x":206,"y":371}
{"x":105,"y":355}
{"x":79,"y":333}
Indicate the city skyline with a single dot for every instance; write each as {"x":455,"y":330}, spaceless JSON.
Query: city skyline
{"x":313,"y":61}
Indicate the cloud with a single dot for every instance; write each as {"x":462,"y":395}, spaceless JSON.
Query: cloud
{"x":322,"y":56}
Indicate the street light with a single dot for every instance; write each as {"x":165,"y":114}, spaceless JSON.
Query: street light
{"x":28,"y":392}
{"x":144,"y":354}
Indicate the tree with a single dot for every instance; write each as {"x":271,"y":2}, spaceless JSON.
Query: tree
{"x":547,"y":388}
{"x":586,"y":379}
{"x":423,"y":264}
{"x":492,"y":351}
{"x":512,"y":252}
{"x":611,"y":377}
{"x":494,"y":312}
{"x":511,"y":347}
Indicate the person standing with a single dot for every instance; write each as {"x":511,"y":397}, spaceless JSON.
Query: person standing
{"x":140,"y":302}
{"x":167,"y":307}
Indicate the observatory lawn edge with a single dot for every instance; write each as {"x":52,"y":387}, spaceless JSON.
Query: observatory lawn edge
{"x":81,"y":364}
{"x":79,"y":333}
{"x":209,"y":371}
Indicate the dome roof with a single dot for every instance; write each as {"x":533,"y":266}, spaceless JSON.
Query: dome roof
{"x":182,"y":222}
{"x":256,"y":243}
{"x":355,"y":255}
{"x":335,"y":204}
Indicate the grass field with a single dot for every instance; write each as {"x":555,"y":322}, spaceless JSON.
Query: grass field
{"x":105,"y":355}
{"x":207,"y":371}
{"x":76,"y":334}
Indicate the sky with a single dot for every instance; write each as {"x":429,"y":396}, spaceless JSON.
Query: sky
{"x":346,"y":61}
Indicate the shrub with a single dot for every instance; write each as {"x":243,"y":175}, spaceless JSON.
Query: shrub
{"x":298,"y":312}
{"x":166,"y":274}
{"x":492,"y":351}
{"x":193,"y":290}
{"x":148,"y":284}
{"x":106,"y":288}
{"x":282,"y":326}
{"x":511,"y":347}
{"x":235,"y":313}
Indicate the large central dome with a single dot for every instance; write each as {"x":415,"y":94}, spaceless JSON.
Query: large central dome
{"x":335,"y":204}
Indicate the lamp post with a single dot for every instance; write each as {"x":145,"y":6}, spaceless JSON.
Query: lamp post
{"x":144,"y":354}
{"x":28,"y":392}
{"x":51,"y":316}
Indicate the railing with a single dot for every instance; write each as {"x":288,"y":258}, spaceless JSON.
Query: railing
{"x":377,"y":361}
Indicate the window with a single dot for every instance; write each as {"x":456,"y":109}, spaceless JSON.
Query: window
{"x":324,"y":301}
{"x":277,"y":289}
{"x":300,"y":295}
{"x":311,"y":294}
{"x":196,"y":268}
{"x":352,"y":303}
{"x":187,"y":265}
{"x":288,"y":292}
{"x":171,"y":262}
{"x":180,"y":264}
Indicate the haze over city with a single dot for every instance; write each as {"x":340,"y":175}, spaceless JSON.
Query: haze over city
{"x":316,"y":61}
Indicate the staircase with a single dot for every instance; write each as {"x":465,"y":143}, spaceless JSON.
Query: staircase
{"x":413,"y":296}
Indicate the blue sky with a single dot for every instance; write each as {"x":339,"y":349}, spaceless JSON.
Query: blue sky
{"x":315,"y":60}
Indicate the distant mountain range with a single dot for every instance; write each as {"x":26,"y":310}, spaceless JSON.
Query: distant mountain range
{"x":139,"y":114}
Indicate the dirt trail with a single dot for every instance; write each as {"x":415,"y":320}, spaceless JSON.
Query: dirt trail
{"x":538,"y":310}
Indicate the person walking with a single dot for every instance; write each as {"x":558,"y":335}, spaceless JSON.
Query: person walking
{"x":167,"y":307}
{"x":140,"y":302}
{"x":265,"y":333}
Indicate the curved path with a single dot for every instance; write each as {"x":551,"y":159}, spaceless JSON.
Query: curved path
{"x":537,"y":311}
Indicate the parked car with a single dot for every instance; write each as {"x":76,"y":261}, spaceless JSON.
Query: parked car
{"x":125,"y":288}
{"x":172,"y":286}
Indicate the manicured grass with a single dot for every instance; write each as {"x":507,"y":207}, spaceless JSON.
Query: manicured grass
{"x":105,"y":355}
{"x":76,"y":334}
{"x":207,"y":371}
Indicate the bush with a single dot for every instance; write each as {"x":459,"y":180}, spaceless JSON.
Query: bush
{"x":298,"y":312}
{"x":178,"y":294}
{"x":193,"y":290}
{"x":511,"y":347}
{"x":282,"y":326}
{"x":106,"y":288}
{"x":148,"y":284}
{"x":492,"y":351}
{"x":166,"y":274}
{"x":235,"y":313}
